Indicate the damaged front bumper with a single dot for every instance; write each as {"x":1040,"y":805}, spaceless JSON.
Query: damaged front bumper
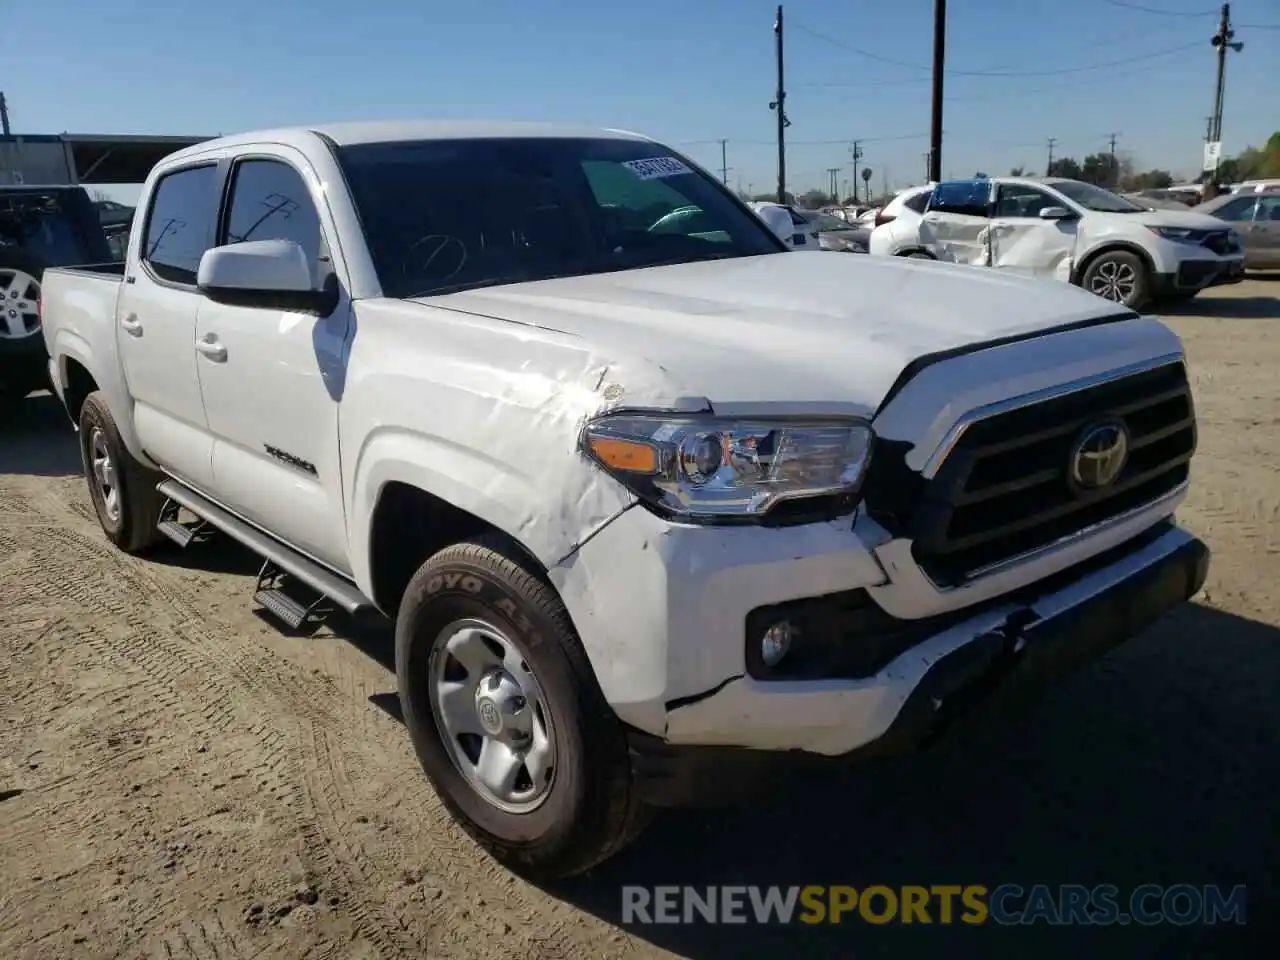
{"x":663,"y":623}
{"x":1007,"y":659}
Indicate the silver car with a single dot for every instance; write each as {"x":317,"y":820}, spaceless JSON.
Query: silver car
{"x":1256,"y":216}
{"x":834,"y":233}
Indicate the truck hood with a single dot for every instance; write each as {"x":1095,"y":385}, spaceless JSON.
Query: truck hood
{"x":804,"y":332}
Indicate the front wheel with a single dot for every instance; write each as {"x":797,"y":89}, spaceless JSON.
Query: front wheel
{"x":506,"y":716}
{"x":1118,"y":276}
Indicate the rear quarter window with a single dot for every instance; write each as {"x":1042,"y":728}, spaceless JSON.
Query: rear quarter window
{"x":917,"y":203}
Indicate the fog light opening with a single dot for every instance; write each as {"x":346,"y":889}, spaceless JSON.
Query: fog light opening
{"x":776,"y":643}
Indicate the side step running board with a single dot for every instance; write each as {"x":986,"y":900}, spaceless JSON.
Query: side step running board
{"x":340,"y":591}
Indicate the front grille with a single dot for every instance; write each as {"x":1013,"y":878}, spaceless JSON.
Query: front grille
{"x":1219,"y":241}
{"x":1005,"y":487}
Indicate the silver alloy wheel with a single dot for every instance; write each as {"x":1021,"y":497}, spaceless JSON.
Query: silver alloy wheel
{"x":19,"y":296}
{"x":104,"y":473}
{"x":1114,"y":280}
{"x":493,"y":719}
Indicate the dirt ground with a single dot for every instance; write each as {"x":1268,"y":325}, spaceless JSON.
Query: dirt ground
{"x":179,"y":779}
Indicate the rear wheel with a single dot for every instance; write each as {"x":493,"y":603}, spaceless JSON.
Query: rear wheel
{"x":506,"y":716}
{"x":917,"y":255}
{"x":123,"y":491}
{"x":1118,"y":276}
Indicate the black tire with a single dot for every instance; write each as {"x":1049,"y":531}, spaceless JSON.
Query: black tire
{"x":132,"y":527}
{"x":23,"y":360}
{"x":918,"y":255}
{"x":591,"y":809}
{"x":1119,"y":264}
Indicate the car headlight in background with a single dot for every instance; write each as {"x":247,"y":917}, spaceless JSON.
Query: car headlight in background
{"x":709,"y":469}
{"x":1179,"y":234}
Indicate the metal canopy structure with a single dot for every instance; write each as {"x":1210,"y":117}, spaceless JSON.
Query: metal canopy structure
{"x":101,"y":158}
{"x":86,"y":158}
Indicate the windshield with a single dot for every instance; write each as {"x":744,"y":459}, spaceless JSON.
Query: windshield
{"x":445,"y":215}
{"x":1095,"y":198}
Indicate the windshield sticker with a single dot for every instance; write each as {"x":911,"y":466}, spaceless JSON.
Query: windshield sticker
{"x":655,"y":168}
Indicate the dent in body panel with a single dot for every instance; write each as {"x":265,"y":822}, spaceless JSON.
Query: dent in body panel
{"x":488,"y":416}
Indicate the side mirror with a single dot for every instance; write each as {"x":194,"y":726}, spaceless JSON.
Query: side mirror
{"x":1056,"y":213}
{"x":779,"y":221}
{"x":263,"y":273}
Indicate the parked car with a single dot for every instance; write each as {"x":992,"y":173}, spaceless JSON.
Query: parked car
{"x":1255,"y":186}
{"x":800,"y":235}
{"x":653,"y":512}
{"x":834,"y":233}
{"x":1256,"y":217}
{"x":896,"y":230}
{"x":1076,"y":232}
{"x":39,"y":227}
{"x":114,"y":214}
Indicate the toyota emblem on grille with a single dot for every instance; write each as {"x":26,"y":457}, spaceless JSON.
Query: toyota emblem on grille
{"x":1099,"y":456}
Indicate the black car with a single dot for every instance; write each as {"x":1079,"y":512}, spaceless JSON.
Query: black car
{"x":39,"y":227}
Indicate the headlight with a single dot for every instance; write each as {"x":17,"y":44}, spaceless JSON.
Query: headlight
{"x":703,"y":468}
{"x":1179,"y":234}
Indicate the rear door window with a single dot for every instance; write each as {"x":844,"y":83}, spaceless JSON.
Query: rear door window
{"x":180,"y":223}
{"x":970,"y":198}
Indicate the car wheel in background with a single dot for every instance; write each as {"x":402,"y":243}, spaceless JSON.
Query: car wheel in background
{"x":1119,"y":276}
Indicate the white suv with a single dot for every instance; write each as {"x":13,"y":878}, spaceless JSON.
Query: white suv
{"x":1081,"y":234}
{"x":896,"y":232}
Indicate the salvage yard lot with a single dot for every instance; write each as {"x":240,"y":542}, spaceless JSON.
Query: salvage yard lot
{"x":179,"y":779}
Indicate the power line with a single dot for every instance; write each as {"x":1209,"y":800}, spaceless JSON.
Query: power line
{"x":1124,"y":5}
{"x":1141,"y":58}
{"x":1110,"y":40}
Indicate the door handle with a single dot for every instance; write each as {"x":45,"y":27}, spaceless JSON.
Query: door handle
{"x":212,"y":348}
{"x":132,"y":325}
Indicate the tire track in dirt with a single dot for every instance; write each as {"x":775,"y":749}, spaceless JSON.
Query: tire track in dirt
{"x":309,"y":764}
{"x":165,"y":651}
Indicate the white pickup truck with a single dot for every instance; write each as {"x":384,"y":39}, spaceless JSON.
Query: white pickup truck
{"x":653,"y":510}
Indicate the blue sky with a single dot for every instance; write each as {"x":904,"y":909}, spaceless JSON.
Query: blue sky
{"x":685,"y":71}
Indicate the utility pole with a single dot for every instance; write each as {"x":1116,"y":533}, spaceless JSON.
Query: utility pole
{"x":855,"y":154}
{"x":778,"y":106}
{"x":4,"y":115}
{"x":928,"y":166}
{"x":1113,"y":174}
{"x":1048,"y":170}
{"x":939,"y":57}
{"x":834,"y":174}
{"x":724,"y":163}
{"x":1222,"y":40}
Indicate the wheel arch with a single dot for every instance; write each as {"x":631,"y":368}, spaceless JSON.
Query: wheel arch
{"x":1112,"y":246}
